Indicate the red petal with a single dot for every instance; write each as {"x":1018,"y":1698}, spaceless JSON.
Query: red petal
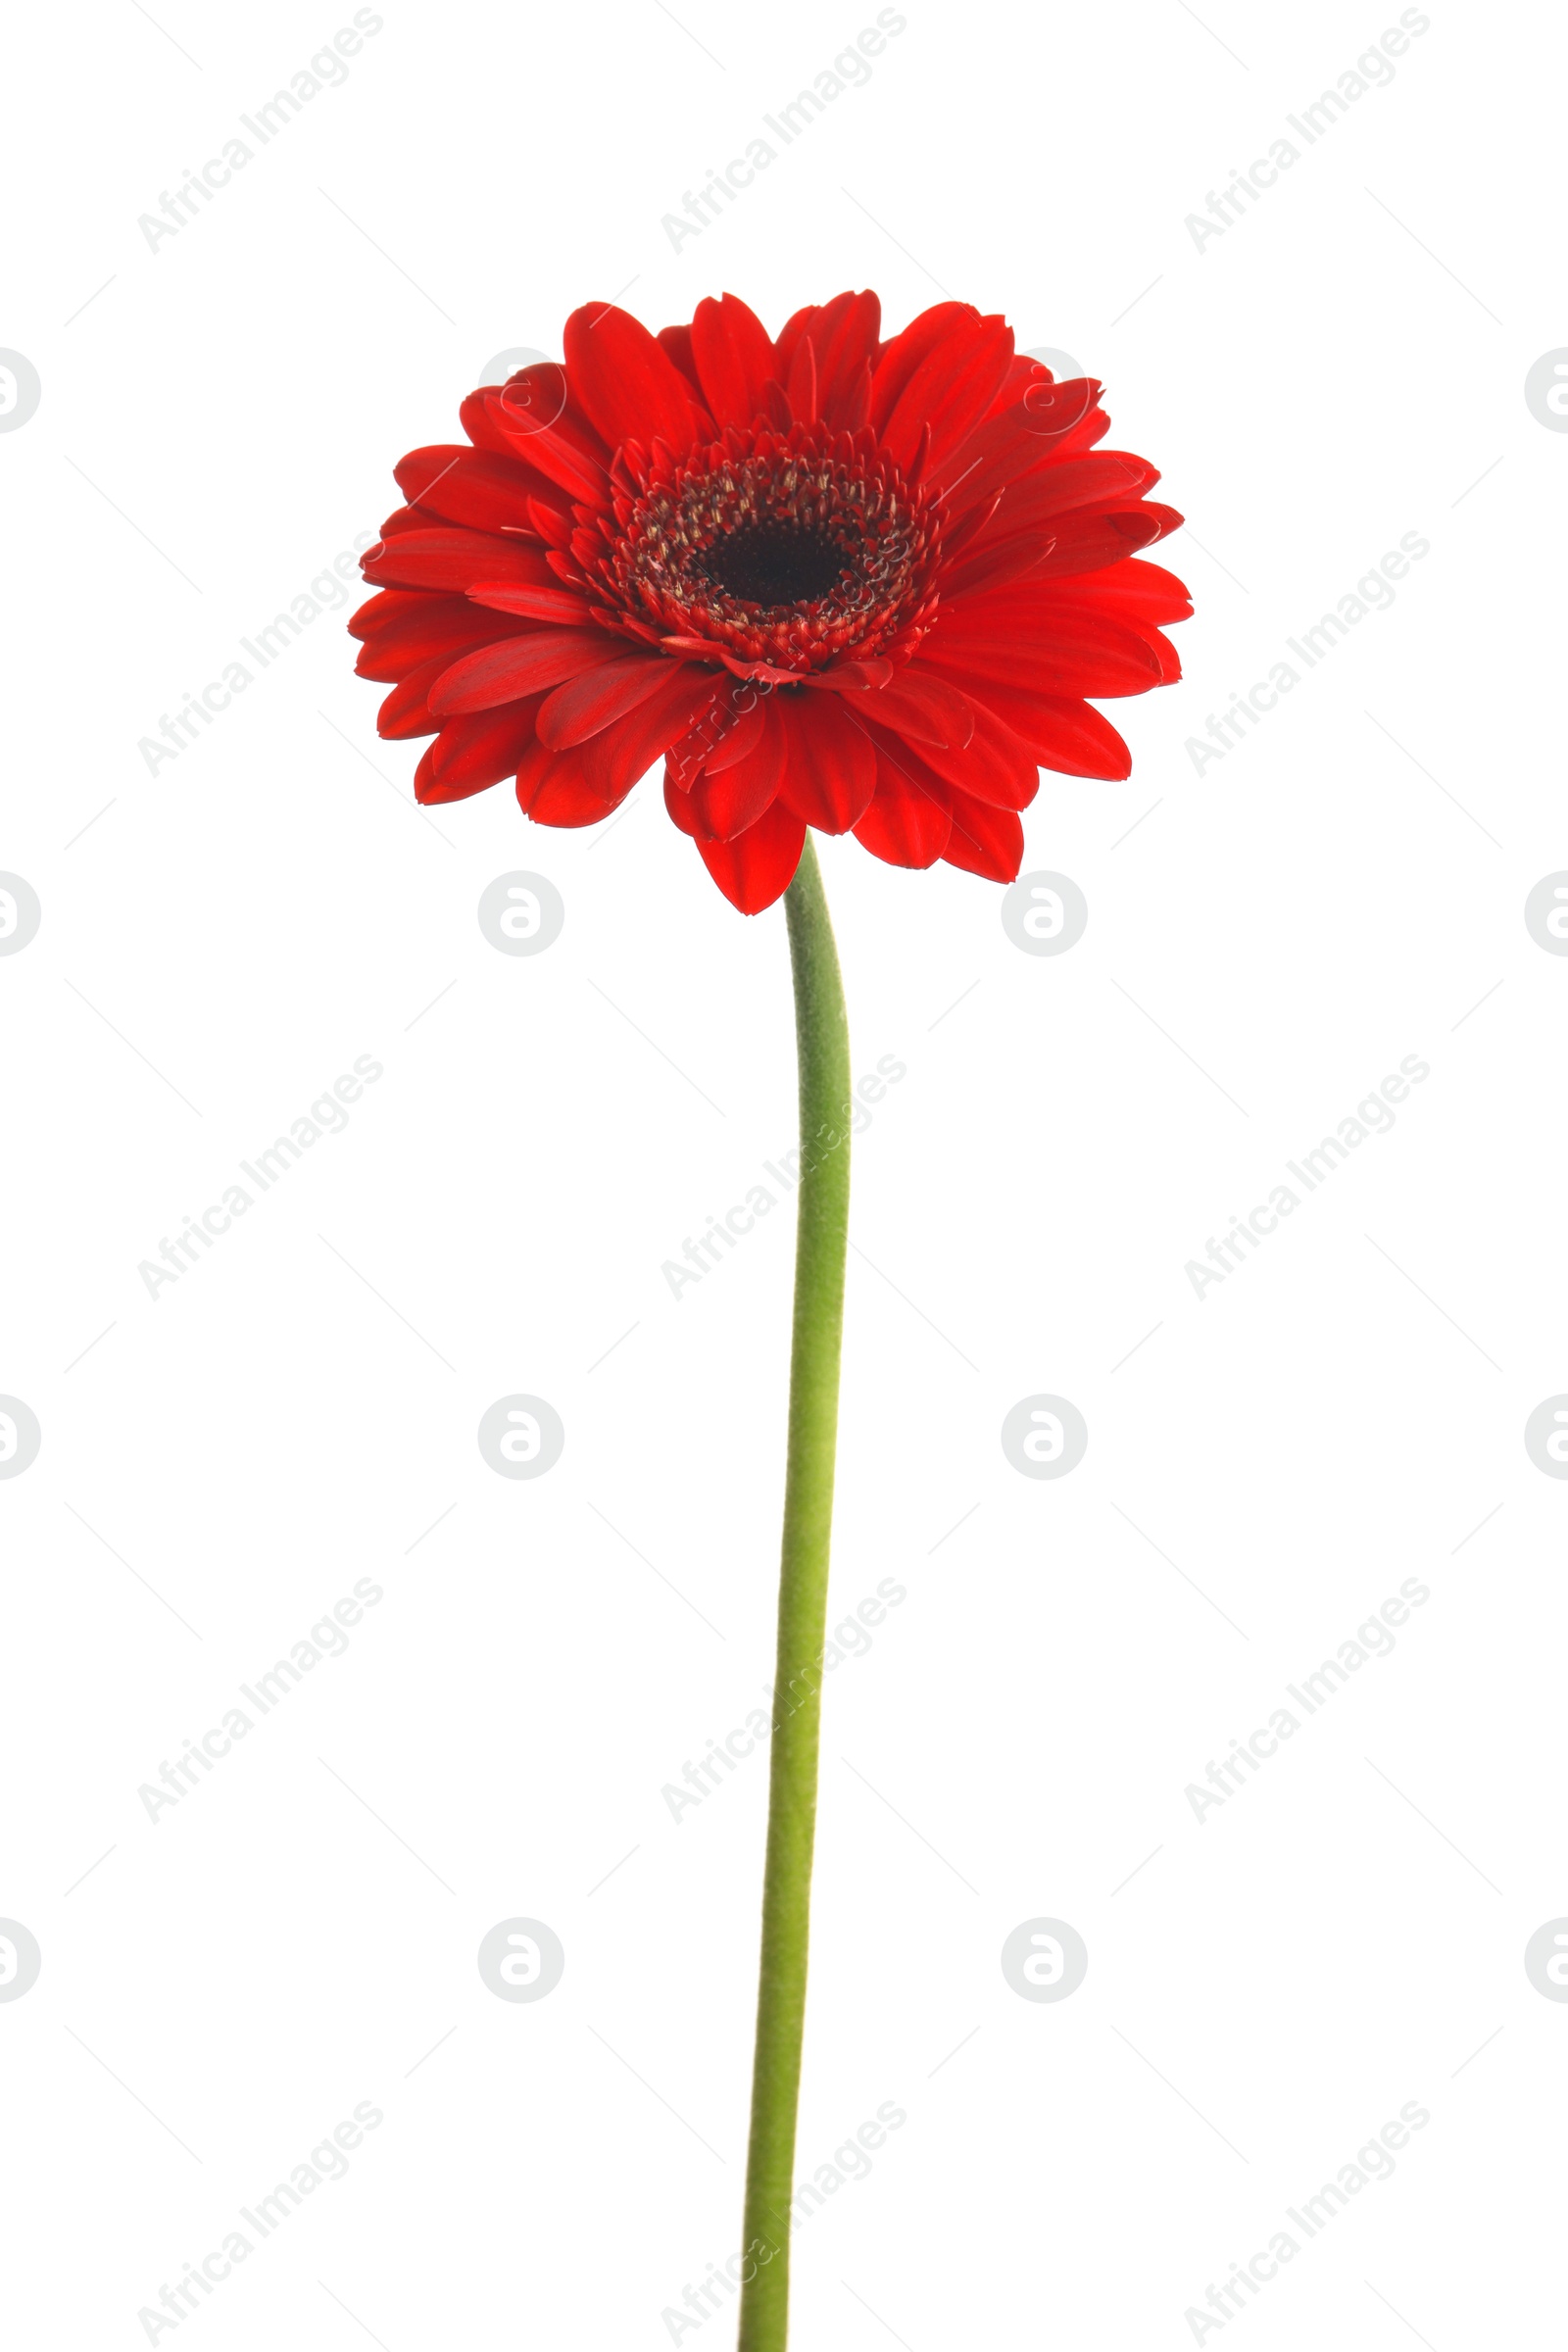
{"x":1086,"y":543}
{"x":984,"y":841}
{"x":1106,"y":478}
{"x":920,"y":706}
{"x":466,"y":769}
{"x":1057,"y":609}
{"x":850,"y":411}
{"x":907,"y":823}
{"x":407,"y":518}
{"x":994,"y":766}
{"x":726,"y":708}
{"x":845,"y":338}
{"x":405,"y":711}
{"x":848,"y":677}
{"x":531,"y":416}
{"x":741,"y":741}
{"x":951,"y":391}
{"x":1164,"y":653}
{"x":1024,"y":373}
{"x":900,"y":359}
{"x":759,"y":865}
{"x":804,"y":322}
{"x":585,"y":706}
{"x":1009,"y":447}
{"x":468,"y":486}
{"x":475,"y":419}
{"x":501,"y":674}
{"x":552,"y":604}
{"x":1012,"y":637}
{"x":679,"y":805}
{"x":388,"y":604}
{"x":448,"y":625}
{"x":555,"y":529}
{"x":677,"y":341}
{"x":613,"y":761}
{"x":1141,"y":591}
{"x":1060,"y":732}
{"x":471,"y":753}
{"x":1053,"y":409}
{"x":801,"y":386}
{"x":450,"y":559}
{"x":551,"y":791}
{"x":424,"y":787}
{"x":830,"y":762}
{"x":626,"y":386}
{"x":762,"y":673}
{"x":733,"y":358}
{"x":1057,"y":550}
{"x":1169,"y":520}
{"x":726,"y":802}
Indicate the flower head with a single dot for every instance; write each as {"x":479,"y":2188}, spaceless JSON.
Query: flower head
{"x":863,"y":586}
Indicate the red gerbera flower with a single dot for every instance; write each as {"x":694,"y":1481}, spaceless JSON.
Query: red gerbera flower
{"x":838,"y":582}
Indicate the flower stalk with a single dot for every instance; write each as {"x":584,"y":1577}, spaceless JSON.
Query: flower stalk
{"x":821,"y":1239}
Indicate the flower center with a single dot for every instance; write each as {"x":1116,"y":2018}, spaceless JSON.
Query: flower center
{"x":775,"y":564}
{"x":783,"y":551}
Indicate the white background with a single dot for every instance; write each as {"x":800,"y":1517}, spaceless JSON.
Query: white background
{"x":1343,"y":365}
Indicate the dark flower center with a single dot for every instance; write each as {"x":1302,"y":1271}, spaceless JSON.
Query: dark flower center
{"x":774,"y":564}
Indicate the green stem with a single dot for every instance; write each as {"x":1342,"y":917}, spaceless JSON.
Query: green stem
{"x":821,"y":1238}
